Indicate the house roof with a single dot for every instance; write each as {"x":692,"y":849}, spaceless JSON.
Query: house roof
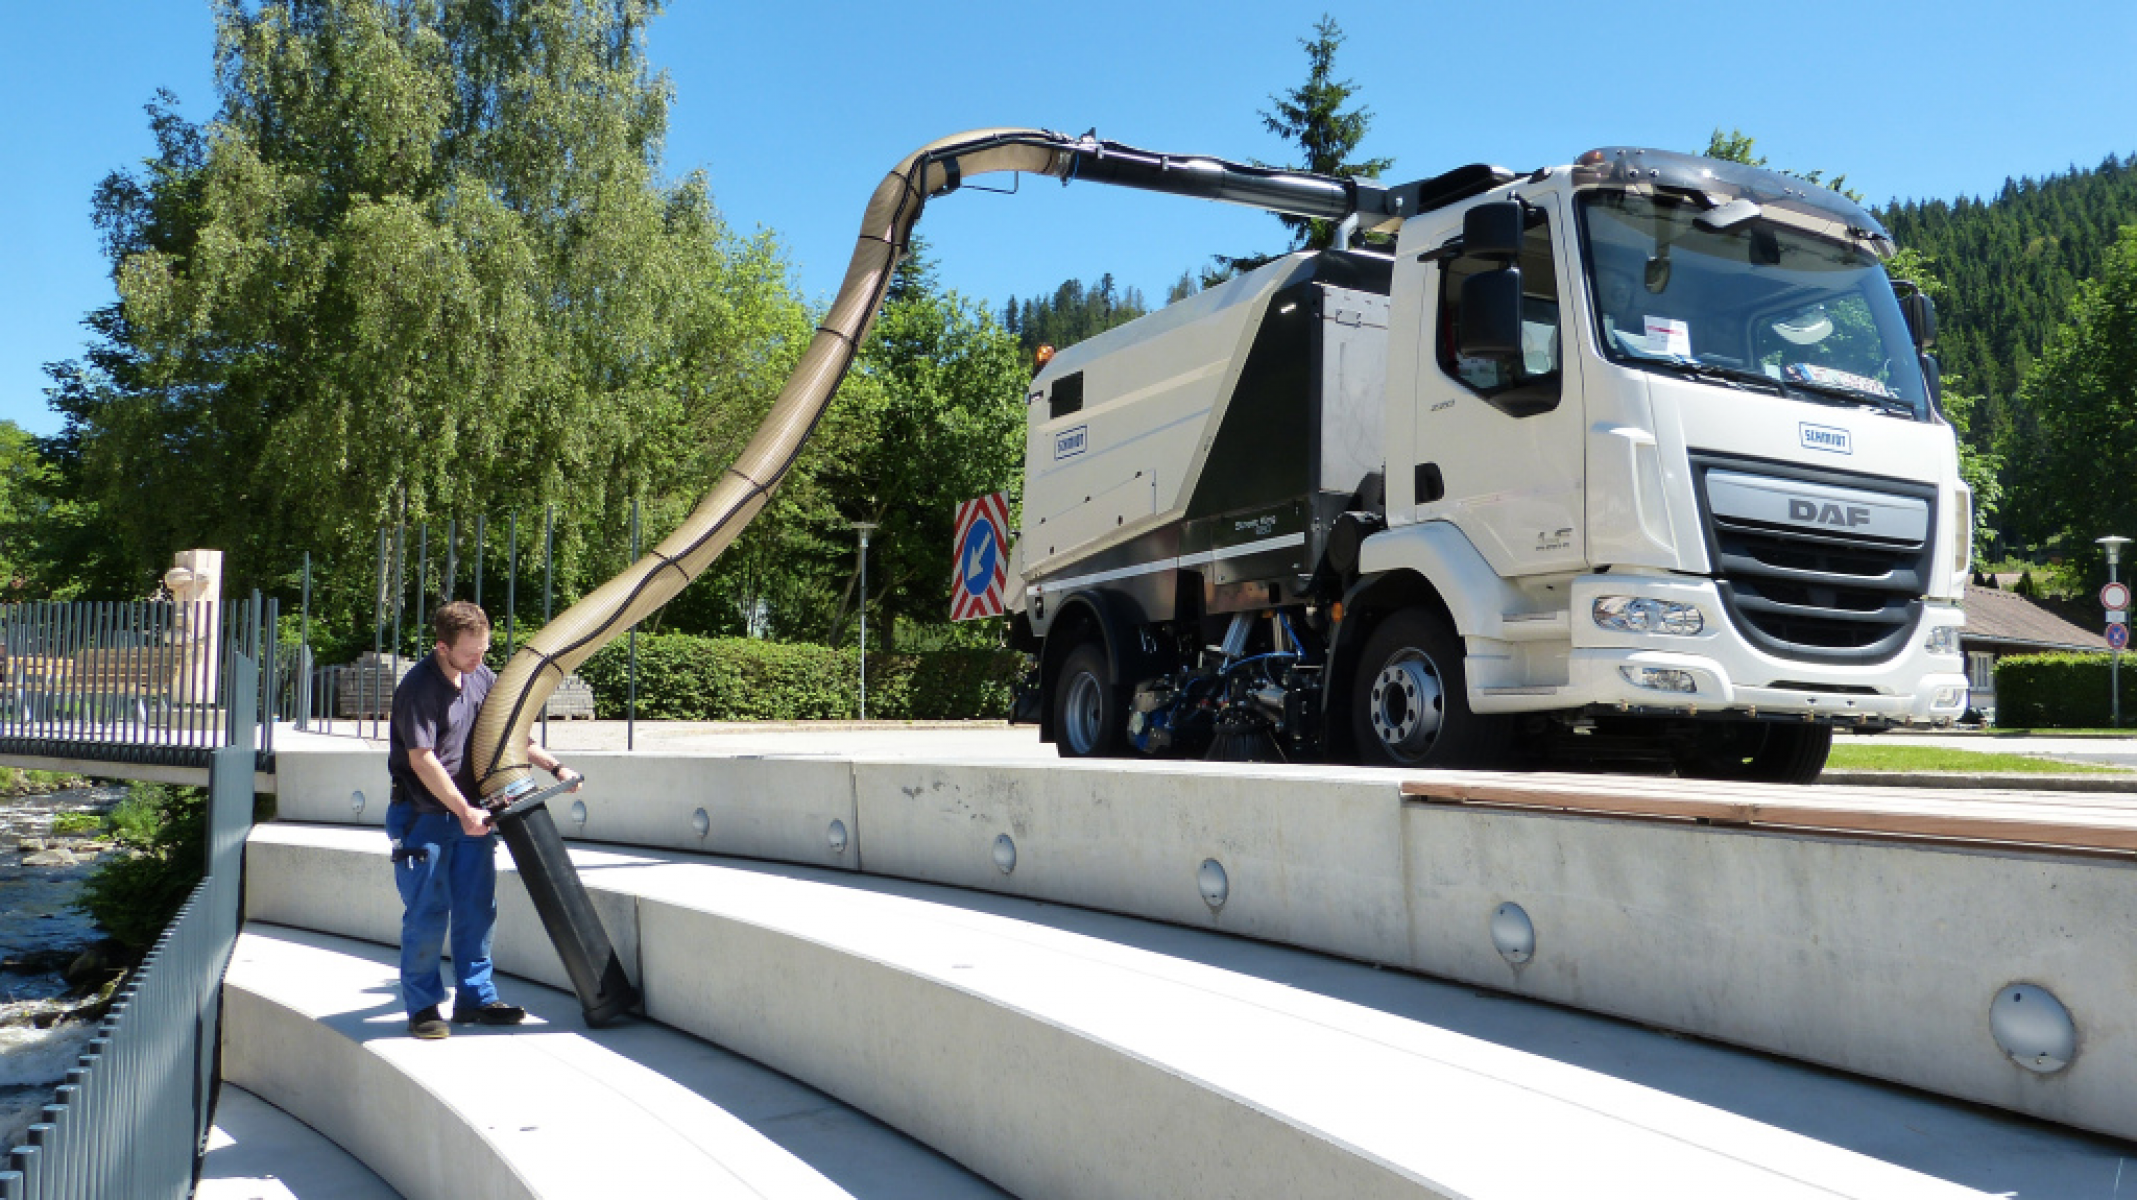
{"x":2009,"y":619}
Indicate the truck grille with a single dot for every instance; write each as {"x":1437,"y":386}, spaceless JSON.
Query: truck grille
{"x":1819,"y":592}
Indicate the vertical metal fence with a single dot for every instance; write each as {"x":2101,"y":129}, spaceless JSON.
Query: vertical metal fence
{"x":132,"y":1116}
{"x":141,"y":681}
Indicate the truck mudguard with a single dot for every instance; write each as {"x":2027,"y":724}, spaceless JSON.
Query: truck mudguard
{"x":1475,"y":595}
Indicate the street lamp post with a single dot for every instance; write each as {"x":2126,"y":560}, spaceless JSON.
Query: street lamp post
{"x":2113,"y":545}
{"x":864,"y":528}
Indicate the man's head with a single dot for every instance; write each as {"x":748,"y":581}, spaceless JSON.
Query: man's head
{"x":463,"y":631}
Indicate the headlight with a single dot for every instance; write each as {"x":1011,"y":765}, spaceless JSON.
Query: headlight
{"x":1949,"y":697}
{"x":1660,"y":679}
{"x":1639,"y":614}
{"x":1944,"y":639}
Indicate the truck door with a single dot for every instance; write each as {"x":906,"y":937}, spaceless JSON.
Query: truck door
{"x":1498,"y":445}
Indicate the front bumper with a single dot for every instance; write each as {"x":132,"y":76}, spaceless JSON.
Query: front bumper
{"x":1728,"y":673}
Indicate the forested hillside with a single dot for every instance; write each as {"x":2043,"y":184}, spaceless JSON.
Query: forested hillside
{"x":2012,"y":266}
{"x":1074,"y":312}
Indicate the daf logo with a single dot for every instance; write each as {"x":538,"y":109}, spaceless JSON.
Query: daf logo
{"x":1845,"y":516}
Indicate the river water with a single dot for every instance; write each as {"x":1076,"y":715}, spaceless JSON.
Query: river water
{"x":39,"y":932}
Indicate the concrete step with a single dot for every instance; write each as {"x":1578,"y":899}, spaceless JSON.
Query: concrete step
{"x":1879,"y":951}
{"x":258,"y":1152}
{"x":313,"y":1023}
{"x":1068,"y":1053}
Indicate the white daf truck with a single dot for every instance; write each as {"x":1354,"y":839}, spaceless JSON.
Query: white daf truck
{"x":1635,"y":460}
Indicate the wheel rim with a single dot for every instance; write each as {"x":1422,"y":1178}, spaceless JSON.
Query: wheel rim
{"x":1408,"y":705}
{"x":1084,"y":713}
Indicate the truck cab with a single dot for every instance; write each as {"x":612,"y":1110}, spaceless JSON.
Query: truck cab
{"x":1660,"y":476}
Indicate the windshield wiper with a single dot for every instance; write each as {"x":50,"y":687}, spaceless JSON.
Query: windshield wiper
{"x":1733,"y":376}
{"x":1847,"y":395}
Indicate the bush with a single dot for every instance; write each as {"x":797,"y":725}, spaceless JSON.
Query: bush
{"x":2059,"y":691}
{"x":682,"y":677}
{"x":133,"y":896}
{"x":76,"y":824}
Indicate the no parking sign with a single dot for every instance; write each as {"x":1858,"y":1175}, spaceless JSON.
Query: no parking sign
{"x":982,"y":558}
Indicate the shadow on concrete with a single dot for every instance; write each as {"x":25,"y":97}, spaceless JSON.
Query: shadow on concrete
{"x":869,"y":1159}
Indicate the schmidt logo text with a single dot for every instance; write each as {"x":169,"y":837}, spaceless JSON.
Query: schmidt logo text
{"x":1825,"y":437}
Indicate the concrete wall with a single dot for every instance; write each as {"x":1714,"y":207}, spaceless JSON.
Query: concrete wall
{"x":1875,"y":957}
{"x":1063,"y":1065}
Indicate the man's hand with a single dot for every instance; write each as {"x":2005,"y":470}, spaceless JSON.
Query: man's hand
{"x":475,"y":822}
{"x":568,"y":776}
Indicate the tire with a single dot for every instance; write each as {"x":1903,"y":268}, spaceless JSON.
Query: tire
{"x":1090,"y":721}
{"x":1760,"y":752}
{"x":1410,"y":700}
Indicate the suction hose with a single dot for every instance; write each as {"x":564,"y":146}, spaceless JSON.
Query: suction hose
{"x":498,"y":746}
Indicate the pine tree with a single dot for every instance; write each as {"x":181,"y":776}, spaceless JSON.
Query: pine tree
{"x":1313,"y":117}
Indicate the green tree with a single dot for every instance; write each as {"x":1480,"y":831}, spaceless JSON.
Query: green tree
{"x":2083,"y":392}
{"x":22,"y":469}
{"x":1980,"y":466}
{"x":421,"y":262}
{"x":1073,"y":312}
{"x":1312,"y":117}
{"x":1326,"y":135}
{"x":931,"y":415}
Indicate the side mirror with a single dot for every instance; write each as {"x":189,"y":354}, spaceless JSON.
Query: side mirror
{"x":1493,"y":232}
{"x":1933,"y":382}
{"x":1920,"y":313}
{"x":1491,"y":315}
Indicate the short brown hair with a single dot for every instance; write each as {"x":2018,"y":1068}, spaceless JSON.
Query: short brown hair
{"x":460,"y":616}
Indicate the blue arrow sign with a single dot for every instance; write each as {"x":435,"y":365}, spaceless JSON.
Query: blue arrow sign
{"x":976,"y":558}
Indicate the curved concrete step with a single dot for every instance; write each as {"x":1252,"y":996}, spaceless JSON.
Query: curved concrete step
{"x":258,"y":1152}
{"x":1058,"y":1063}
{"x":313,"y":1024}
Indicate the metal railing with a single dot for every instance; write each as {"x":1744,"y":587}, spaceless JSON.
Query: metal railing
{"x":134,"y":1112}
{"x":141,"y":682}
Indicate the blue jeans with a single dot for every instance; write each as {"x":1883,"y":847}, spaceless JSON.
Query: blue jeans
{"x":451,"y":877}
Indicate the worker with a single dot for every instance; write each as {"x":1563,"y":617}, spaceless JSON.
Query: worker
{"x":444,"y":862}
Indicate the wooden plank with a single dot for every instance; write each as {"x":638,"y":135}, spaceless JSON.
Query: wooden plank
{"x":2046,"y":823}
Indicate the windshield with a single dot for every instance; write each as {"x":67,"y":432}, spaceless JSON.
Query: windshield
{"x":1756,"y":302}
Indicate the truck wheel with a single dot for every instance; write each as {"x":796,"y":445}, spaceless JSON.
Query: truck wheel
{"x":1792,"y":754}
{"x":1089,"y":719}
{"x":1759,"y":752}
{"x":1410,"y":700}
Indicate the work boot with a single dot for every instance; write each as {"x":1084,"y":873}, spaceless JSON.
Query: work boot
{"x":496,"y":1012}
{"x":428,"y":1025}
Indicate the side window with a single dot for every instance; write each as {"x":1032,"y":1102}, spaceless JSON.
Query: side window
{"x":1529,"y":384}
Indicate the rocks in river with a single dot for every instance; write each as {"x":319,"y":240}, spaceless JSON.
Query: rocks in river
{"x":97,"y":963}
{"x":51,"y":858}
{"x":32,"y":845}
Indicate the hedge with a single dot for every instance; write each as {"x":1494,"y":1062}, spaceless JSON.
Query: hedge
{"x":2059,"y":691}
{"x":683,"y":677}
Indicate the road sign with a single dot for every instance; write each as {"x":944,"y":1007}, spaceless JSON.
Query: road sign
{"x":982,"y":567}
{"x":2117,"y":616}
{"x":2114,"y":596}
{"x":2118,"y":636}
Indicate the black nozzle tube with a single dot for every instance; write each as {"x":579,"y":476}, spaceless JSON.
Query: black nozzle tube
{"x":1294,"y":192}
{"x":567,"y":913}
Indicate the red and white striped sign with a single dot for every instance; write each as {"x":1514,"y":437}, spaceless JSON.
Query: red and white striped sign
{"x":982,"y":566}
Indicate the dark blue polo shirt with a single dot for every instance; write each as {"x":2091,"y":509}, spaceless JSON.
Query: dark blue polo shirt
{"x":430,"y":713}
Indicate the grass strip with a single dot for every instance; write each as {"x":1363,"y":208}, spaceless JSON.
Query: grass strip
{"x":1851,"y":756}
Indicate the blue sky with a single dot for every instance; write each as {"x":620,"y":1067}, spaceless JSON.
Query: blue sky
{"x":795,"y":110}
